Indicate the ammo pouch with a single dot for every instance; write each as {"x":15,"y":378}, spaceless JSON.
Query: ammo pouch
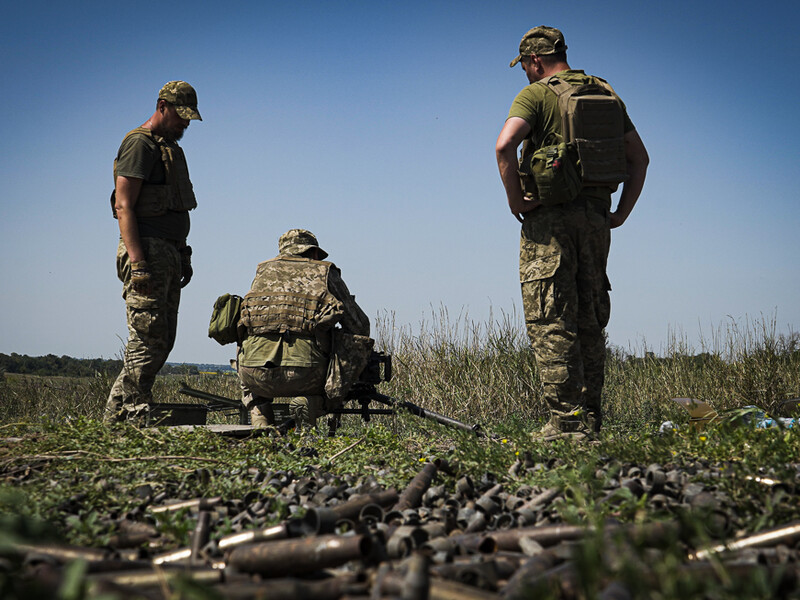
{"x":555,"y":173}
{"x":225,"y":318}
{"x":349,"y":356}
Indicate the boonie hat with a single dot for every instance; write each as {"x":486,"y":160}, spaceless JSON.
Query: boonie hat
{"x":297,"y":241}
{"x":183,"y":97}
{"x":540,"y":40}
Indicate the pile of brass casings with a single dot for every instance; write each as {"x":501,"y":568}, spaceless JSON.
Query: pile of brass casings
{"x":444,"y":536}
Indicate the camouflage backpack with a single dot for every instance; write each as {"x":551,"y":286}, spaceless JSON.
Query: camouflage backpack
{"x":592,"y":149}
{"x":225,"y":319}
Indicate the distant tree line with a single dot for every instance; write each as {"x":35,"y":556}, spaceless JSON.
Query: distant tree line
{"x":66,"y":366}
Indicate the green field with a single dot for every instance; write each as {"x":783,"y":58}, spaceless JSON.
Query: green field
{"x":67,"y":478}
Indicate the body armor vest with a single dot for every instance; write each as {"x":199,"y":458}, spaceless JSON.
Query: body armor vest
{"x":175,"y":194}
{"x":290,"y":294}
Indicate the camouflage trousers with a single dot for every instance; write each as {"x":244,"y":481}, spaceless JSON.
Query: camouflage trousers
{"x":565,"y":296}
{"x":152,"y":324}
{"x":303,"y":385}
{"x":314,"y":391}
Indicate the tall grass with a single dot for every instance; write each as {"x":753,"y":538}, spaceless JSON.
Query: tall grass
{"x":485,"y":372}
{"x":742,"y":364}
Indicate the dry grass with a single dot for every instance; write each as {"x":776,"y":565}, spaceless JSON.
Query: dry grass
{"x":485,"y":372}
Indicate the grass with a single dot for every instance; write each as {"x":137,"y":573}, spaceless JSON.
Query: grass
{"x":486,"y":372}
{"x":64,"y":475}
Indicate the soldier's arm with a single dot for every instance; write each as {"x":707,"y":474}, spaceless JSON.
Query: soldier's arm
{"x":126,"y":195}
{"x":637,"y":159}
{"x":511,"y":136}
{"x":354,"y":320}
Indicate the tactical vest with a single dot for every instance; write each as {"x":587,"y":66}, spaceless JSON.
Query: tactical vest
{"x":176,"y":194}
{"x":593,"y":122}
{"x":290,"y":294}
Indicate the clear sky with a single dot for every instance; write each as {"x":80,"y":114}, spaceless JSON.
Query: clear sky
{"x":373,"y":124}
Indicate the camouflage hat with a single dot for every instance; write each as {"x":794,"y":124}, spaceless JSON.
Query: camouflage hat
{"x":540,"y":41}
{"x":297,"y":241}
{"x":183,"y":97}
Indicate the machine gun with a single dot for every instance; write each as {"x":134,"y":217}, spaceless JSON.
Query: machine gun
{"x":377,"y":371}
{"x":364,"y":392}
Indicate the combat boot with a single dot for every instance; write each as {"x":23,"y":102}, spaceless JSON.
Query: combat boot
{"x":561,"y":428}
{"x":261,"y":416}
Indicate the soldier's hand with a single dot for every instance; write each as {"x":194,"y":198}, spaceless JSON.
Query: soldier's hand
{"x":529,"y":203}
{"x":141,"y":281}
{"x":186,"y":266}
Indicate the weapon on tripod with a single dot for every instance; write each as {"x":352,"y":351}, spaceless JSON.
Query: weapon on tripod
{"x":364,"y":392}
{"x":377,"y":371}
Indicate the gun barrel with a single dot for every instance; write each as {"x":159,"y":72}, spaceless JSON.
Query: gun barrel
{"x":189,"y":391}
{"x":425,"y":413}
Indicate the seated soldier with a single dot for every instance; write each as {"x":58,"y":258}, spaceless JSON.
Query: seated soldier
{"x":303,"y":335}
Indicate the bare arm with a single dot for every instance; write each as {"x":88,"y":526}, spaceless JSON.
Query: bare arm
{"x":127,"y":193}
{"x":637,"y":159}
{"x":511,"y":136}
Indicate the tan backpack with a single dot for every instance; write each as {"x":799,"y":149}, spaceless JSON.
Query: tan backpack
{"x":593,"y":120}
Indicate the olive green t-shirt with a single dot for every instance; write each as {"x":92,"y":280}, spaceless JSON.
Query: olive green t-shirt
{"x":140,"y":157}
{"x":538,"y":105}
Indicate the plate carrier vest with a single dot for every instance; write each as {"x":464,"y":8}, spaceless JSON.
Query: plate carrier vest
{"x":290,"y":294}
{"x":156,"y":199}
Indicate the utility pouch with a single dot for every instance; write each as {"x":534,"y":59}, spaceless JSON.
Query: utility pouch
{"x":556,"y":172}
{"x":349,"y":356}
{"x":225,"y":318}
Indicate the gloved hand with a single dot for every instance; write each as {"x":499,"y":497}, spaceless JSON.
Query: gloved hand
{"x":186,"y":265}
{"x":141,"y":281}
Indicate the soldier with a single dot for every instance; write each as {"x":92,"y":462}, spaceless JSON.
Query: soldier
{"x":151,"y":200}
{"x":564,"y":245}
{"x":303,"y":334}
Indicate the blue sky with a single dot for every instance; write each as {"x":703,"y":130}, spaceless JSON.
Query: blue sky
{"x":373,"y":124}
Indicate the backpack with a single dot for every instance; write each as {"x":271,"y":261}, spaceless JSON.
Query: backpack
{"x":225,"y":319}
{"x":592,"y":149}
{"x":593,"y":119}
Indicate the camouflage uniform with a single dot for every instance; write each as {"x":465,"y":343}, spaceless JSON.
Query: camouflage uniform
{"x":162,"y":219}
{"x":291,"y":346}
{"x":562,"y":265}
{"x":152,"y":323}
{"x":563,"y":252}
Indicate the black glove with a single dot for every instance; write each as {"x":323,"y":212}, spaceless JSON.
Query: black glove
{"x":186,"y":265}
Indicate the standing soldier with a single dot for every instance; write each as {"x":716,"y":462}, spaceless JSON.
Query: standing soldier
{"x":560,"y":189}
{"x":151,"y":200}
